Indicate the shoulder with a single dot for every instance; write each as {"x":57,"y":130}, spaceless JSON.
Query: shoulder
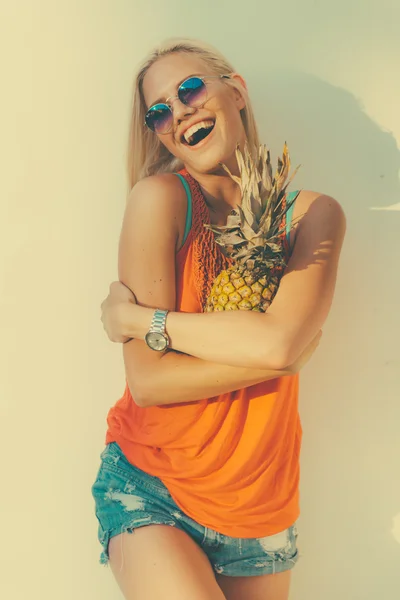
{"x":163,"y":192}
{"x":316,"y":210}
{"x":156,"y":210}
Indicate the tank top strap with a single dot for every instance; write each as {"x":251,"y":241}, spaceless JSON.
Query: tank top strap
{"x":208,"y":260}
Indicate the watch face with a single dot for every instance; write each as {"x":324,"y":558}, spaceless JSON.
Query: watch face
{"x":156,"y":341}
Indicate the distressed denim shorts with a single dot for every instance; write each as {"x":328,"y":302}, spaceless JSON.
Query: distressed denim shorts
{"x":126,"y":498}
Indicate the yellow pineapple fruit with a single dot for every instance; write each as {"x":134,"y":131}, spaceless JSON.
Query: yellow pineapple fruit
{"x":252,"y":236}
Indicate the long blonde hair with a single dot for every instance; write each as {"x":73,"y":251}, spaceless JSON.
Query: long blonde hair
{"x":146,"y":155}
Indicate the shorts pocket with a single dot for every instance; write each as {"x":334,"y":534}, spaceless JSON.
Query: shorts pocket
{"x":281,"y":546}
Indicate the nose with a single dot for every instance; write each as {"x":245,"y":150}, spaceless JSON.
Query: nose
{"x":180,"y":111}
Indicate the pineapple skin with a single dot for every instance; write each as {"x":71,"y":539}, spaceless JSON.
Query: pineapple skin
{"x":239,"y":288}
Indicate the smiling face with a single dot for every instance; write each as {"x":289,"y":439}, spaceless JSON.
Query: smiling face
{"x":219,"y":117}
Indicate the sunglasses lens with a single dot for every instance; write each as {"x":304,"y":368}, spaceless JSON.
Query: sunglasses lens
{"x":193,"y":92}
{"x":159,"y":118}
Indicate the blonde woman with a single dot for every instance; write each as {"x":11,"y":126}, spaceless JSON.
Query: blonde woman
{"x":197,"y":495}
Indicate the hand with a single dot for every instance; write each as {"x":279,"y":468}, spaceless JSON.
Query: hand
{"x":114,"y":313}
{"x":306,"y":355}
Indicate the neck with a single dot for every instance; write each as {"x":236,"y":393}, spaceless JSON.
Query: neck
{"x":221,"y":193}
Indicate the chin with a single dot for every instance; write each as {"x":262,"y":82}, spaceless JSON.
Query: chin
{"x":209,"y":162}
{"x":207,"y":168}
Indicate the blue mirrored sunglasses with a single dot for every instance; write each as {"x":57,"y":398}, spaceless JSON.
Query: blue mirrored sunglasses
{"x":192,"y":92}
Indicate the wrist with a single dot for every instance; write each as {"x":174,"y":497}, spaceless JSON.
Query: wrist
{"x":137,"y":320}
{"x":156,"y":337}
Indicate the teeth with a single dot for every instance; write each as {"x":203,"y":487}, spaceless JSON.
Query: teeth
{"x":192,"y":130}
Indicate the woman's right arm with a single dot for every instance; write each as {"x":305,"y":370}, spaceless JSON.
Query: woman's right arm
{"x":151,"y":233}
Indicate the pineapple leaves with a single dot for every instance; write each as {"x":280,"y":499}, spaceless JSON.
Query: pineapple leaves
{"x":253,"y":229}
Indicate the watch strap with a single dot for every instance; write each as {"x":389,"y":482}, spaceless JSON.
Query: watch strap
{"x":159,"y":320}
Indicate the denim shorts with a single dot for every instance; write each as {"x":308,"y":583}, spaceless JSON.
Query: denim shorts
{"x":126,"y":498}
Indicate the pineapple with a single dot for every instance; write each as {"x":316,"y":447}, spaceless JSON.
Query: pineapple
{"x":252,"y":236}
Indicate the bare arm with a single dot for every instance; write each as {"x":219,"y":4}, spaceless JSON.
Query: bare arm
{"x":299,"y":310}
{"x":151,"y":232}
{"x":180,"y":378}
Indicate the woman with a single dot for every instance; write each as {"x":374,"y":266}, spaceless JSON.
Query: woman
{"x":197,"y":494}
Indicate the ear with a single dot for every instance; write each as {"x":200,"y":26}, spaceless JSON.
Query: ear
{"x":240,"y":90}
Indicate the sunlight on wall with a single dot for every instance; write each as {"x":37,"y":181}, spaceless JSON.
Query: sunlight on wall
{"x":396,"y":528}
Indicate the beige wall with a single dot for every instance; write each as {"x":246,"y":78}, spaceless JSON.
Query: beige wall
{"x":325,"y":77}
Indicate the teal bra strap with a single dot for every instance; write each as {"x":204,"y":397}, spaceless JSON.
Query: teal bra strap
{"x":188,"y":224}
{"x":289,"y":215}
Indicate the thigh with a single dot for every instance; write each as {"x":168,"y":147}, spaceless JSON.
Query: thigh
{"x":160,"y":562}
{"x":263,"y":587}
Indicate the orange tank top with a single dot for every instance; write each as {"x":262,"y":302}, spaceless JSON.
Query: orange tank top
{"x":230,"y":462}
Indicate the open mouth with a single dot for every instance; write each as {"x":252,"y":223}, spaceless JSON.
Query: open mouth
{"x":198,"y":132}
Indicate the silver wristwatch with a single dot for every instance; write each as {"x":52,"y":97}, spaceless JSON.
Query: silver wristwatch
{"x":156,"y":338}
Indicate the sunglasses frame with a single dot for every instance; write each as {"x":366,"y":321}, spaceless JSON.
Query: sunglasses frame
{"x":168,"y":103}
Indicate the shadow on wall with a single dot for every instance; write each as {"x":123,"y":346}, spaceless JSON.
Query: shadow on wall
{"x":350,"y":392}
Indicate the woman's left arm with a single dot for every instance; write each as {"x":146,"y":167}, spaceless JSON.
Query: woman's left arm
{"x":276,"y":338}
